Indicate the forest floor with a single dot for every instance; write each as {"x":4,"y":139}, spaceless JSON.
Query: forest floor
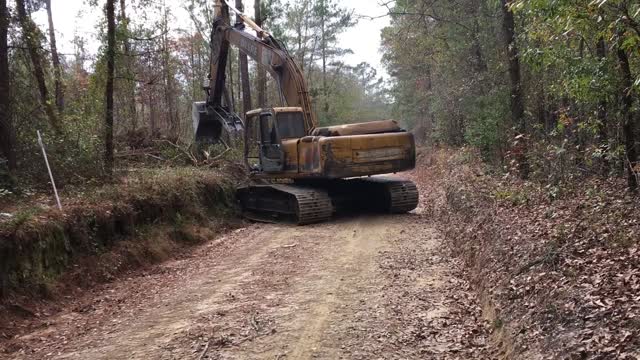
{"x":358,"y":287}
{"x":485,"y":268}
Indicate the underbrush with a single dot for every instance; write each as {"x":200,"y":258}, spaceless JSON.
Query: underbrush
{"x":39,"y":244}
{"x":557,"y":267}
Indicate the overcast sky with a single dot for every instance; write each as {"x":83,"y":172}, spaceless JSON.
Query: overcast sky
{"x":75,"y":17}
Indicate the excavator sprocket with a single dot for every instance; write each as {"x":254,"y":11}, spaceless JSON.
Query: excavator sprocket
{"x":374,"y":194}
{"x":400,"y":196}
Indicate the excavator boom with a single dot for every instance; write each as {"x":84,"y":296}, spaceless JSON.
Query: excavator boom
{"x":267,"y":52}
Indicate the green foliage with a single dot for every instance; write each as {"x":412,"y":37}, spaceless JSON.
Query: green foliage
{"x":485,"y":131}
{"x":514,"y":197}
{"x":445,"y":60}
{"x":357,"y":95}
{"x":451,"y":79}
{"x":310,"y":29}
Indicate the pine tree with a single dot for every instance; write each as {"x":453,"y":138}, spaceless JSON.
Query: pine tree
{"x":7,"y":133}
{"x":111,"y":54}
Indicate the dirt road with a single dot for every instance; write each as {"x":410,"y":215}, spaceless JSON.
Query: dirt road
{"x":370,"y":287}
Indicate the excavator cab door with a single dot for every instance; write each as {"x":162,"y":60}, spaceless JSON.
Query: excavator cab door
{"x":271,"y":153}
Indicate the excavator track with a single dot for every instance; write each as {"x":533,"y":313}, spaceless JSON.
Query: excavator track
{"x":374,"y":194}
{"x":300,"y":205}
{"x":400,"y":196}
{"x":311,"y":202}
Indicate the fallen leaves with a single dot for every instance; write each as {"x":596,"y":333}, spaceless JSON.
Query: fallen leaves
{"x":564,"y":270}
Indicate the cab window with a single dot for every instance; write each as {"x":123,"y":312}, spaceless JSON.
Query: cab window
{"x":253,"y":142}
{"x":268,"y":129}
{"x":291,"y":125}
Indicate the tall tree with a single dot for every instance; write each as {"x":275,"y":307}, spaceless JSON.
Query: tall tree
{"x":128,"y":68}
{"x":323,"y":48}
{"x":601,"y":53}
{"x":244,"y":71}
{"x":517,"y":99}
{"x":331,"y":20}
{"x":628,"y":113}
{"x":30,"y":33}
{"x":262,"y":74}
{"x":299,"y":21}
{"x":111,"y":55}
{"x":7,"y":133}
{"x":170,"y":93}
{"x":55,"y":59}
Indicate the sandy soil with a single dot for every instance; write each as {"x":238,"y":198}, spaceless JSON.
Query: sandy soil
{"x":368,"y":287}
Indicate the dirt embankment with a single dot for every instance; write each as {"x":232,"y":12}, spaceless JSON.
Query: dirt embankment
{"x":556,"y":267}
{"x":145,"y":218}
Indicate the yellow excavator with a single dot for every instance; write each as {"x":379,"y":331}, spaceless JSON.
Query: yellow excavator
{"x":306,"y":173}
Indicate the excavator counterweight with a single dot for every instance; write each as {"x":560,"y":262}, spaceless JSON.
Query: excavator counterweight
{"x":327,"y":169}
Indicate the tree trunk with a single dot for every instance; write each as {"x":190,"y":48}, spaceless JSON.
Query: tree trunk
{"x":517,"y":100}
{"x":262,"y":75}
{"x":128,"y":68}
{"x":111,"y":51}
{"x":305,"y":37}
{"x":628,"y":115}
{"x":153,"y":114}
{"x":29,"y":31}
{"x":244,"y":73}
{"x":603,"y":138}
{"x":323,"y":46}
{"x":170,"y":93}
{"x":192,"y":66}
{"x":7,"y":132}
{"x":55,"y":59}
{"x":478,"y":60}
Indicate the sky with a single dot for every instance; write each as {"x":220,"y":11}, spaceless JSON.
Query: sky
{"x":73,"y":17}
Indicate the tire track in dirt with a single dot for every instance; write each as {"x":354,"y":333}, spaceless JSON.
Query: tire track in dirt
{"x":346,"y":270}
{"x":356,"y":288}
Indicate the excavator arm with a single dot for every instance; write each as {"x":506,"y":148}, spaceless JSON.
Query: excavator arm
{"x":267,"y":52}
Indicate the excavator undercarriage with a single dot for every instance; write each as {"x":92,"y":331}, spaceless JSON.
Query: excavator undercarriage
{"x":306,"y":202}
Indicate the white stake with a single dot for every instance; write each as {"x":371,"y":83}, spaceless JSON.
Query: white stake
{"x":53,"y":183}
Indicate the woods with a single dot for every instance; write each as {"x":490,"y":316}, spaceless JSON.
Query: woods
{"x":213,"y":180}
{"x":136,"y":92}
{"x":547,"y":91}
{"x":551,"y":85}
{"x":7,"y":134}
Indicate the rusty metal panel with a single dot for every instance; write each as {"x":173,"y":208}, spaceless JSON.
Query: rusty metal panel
{"x":290,"y":148}
{"x":309,"y":157}
{"x":373,"y":127}
{"x":389,"y":153}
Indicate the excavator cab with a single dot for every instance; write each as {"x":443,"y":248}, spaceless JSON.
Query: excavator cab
{"x":265,"y":131}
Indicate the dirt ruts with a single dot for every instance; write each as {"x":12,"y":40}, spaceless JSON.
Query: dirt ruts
{"x":368,"y":287}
